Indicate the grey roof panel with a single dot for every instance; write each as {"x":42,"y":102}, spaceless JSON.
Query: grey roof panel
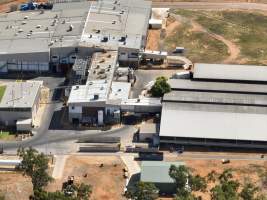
{"x":230,"y":72}
{"x":157,"y":171}
{"x":214,"y":121}
{"x":216,"y":98}
{"x":20,"y":94}
{"x":191,"y":85}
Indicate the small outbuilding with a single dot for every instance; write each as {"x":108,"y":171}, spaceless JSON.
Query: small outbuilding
{"x":148,"y":131}
{"x":155,"y":23}
{"x":157,"y":172}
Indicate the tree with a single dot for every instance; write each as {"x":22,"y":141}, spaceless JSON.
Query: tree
{"x":43,"y":195}
{"x":227,"y":189}
{"x":84,"y":191}
{"x":143,"y":191}
{"x":160,"y":87}
{"x":186,"y":182}
{"x":249,"y":192}
{"x":2,"y":197}
{"x":35,"y":165}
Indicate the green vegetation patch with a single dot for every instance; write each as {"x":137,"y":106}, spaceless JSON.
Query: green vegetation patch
{"x":246,"y":29}
{"x":2,"y":91}
{"x":200,"y":47}
{"x":6,"y":135}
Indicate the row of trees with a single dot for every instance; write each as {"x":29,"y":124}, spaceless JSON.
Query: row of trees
{"x":188,"y":185}
{"x":35,"y":165}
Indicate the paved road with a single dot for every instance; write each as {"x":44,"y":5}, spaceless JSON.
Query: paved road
{"x":210,"y":5}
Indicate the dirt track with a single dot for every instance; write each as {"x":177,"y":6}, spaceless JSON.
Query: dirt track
{"x":210,"y":5}
{"x":233,"y":49}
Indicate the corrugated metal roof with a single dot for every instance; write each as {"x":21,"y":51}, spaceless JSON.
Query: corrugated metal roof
{"x":20,"y":94}
{"x":230,"y":72}
{"x":157,"y":171}
{"x":214,"y":121}
{"x":181,"y":84}
{"x":216,"y":98}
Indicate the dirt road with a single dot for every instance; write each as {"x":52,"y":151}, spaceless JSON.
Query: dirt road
{"x":233,"y":49}
{"x":210,"y":5}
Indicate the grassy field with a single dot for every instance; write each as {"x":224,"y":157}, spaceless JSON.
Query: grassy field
{"x":2,"y":91}
{"x":248,"y":30}
{"x":200,"y":47}
{"x":6,"y":135}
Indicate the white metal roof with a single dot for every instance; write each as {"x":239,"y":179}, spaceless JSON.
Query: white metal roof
{"x":230,"y":72}
{"x":199,"y":121}
{"x":20,"y":94}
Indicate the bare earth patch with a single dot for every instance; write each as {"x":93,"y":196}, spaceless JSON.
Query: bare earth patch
{"x":107,"y":181}
{"x":15,"y":186}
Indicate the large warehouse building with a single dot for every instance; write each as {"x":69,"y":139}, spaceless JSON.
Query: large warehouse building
{"x":217,"y":109}
{"x":52,"y":39}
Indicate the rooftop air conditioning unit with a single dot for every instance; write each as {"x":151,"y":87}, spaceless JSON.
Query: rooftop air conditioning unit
{"x":70,"y":28}
{"x":104,"y":39}
{"x":96,"y":96}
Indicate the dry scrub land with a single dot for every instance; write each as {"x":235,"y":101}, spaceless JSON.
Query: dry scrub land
{"x":243,"y":171}
{"x":107,"y":181}
{"x":229,"y":36}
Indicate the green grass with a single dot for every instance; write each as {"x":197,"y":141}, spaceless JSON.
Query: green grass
{"x":2,"y":91}
{"x":6,"y":135}
{"x":247,"y":29}
{"x":200,"y":47}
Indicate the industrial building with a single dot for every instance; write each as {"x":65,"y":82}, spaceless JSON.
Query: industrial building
{"x":43,"y":40}
{"x":100,"y":95}
{"x":157,"y":172}
{"x":216,"y":112}
{"x":20,"y":103}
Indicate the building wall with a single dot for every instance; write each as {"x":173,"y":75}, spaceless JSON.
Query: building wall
{"x":27,"y":62}
{"x":36,"y":105}
{"x":9,"y":118}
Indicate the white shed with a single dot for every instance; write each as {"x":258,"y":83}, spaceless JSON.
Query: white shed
{"x":155,"y":23}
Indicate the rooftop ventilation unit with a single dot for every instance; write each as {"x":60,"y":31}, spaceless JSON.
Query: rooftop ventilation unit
{"x":77,"y":87}
{"x":122,"y":39}
{"x":51,"y":43}
{"x":23,"y":23}
{"x":38,"y":26}
{"x":102,"y":60}
{"x":64,"y":21}
{"x":102,"y":88}
{"x":46,"y":29}
{"x":104,"y":39}
{"x":114,"y":8}
{"x":113,"y":22}
{"x":56,"y":16}
{"x":115,"y":2}
{"x":70,"y":28}
{"x":122,"y":12}
{"x":26,"y":17}
{"x":97,"y":31}
{"x":20,"y":30}
{"x":96,"y":96}
{"x":90,"y":36}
